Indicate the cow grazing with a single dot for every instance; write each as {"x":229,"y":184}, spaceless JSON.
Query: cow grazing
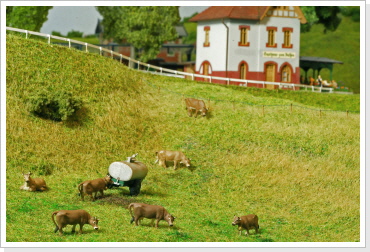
{"x":91,"y":187}
{"x":194,"y":106}
{"x":33,"y":184}
{"x":140,"y":211}
{"x":312,"y":81}
{"x":172,"y":156}
{"x":246,"y":222}
{"x":73,"y":217}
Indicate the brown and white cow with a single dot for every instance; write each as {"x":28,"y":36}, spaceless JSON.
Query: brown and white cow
{"x":246,"y":222}
{"x":33,"y":184}
{"x":73,"y":217}
{"x":91,"y":187}
{"x":194,"y":106}
{"x":140,"y":211}
{"x":172,"y":156}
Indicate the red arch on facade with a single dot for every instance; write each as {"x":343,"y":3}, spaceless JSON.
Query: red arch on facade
{"x":291,"y":70}
{"x":202,"y":67}
{"x":277,"y":75}
{"x":239,"y":66}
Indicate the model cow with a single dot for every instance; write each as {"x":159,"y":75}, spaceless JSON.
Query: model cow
{"x":73,"y":217}
{"x":246,"y":222}
{"x":33,"y":184}
{"x":177,"y":157}
{"x":195,"y":106}
{"x":90,"y":187}
{"x":140,"y":211}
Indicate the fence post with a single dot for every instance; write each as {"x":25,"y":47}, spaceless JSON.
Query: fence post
{"x":120,"y":58}
{"x":86,"y":47}
{"x":192,"y":76}
{"x":49,"y":39}
{"x":100,"y":50}
{"x":111,"y":53}
{"x":69,"y":43}
{"x":26,"y":34}
{"x":138,"y":65}
{"x":291,"y":108}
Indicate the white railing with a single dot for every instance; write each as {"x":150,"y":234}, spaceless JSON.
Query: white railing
{"x":169,"y":72}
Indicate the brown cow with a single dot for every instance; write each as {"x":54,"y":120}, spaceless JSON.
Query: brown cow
{"x":73,"y":217}
{"x":94,"y":186}
{"x":33,"y":184}
{"x":194,"y":106}
{"x":142,"y":211}
{"x":246,"y":222}
{"x":172,"y":156}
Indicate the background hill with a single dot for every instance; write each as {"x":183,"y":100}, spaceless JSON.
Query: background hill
{"x":343,"y":45}
{"x":298,"y":169}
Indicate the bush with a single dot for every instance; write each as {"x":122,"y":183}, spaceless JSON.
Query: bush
{"x":56,"y":106}
{"x":74,"y":34}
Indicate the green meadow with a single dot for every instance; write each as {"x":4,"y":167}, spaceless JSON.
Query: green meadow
{"x":290,"y":157}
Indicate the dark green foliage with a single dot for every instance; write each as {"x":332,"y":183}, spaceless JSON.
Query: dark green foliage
{"x":27,"y":17}
{"x":54,"y":105}
{"x":74,"y":34}
{"x":325,"y":15}
{"x":351,"y":11}
{"x":328,"y":16}
{"x":56,"y":33}
{"x":145,"y":27}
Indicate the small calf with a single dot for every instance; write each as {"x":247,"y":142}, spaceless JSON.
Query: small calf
{"x":73,"y":217}
{"x":177,"y":157}
{"x":33,"y":184}
{"x":246,"y":222}
{"x":195,"y":106}
{"x":94,"y":186}
{"x":158,"y":213}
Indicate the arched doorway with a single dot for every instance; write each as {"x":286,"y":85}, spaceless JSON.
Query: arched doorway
{"x":270,"y":75}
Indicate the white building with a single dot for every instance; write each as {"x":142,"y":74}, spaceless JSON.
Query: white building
{"x":249,"y":42}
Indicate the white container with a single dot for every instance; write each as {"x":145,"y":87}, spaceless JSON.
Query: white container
{"x":126,"y":171}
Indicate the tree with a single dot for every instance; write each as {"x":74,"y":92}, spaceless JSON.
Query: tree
{"x":27,"y":17}
{"x":326,"y":15}
{"x":145,"y":27}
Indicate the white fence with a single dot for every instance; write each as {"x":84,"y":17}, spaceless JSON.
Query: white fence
{"x":169,"y":72}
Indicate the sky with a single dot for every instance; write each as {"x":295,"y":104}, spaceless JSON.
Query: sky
{"x":84,"y":19}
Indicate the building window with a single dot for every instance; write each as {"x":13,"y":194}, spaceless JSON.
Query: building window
{"x":286,"y":74}
{"x":244,"y":30}
{"x":206,"y":36}
{"x":243,"y":71}
{"x":287,"y":38}
{"x":271,"y":32}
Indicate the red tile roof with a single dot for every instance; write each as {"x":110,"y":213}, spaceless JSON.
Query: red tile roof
{"x":232,"y":12}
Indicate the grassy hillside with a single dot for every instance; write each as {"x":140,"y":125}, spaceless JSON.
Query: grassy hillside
{"x":343,"y":45}
{"x":298,"y":170}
